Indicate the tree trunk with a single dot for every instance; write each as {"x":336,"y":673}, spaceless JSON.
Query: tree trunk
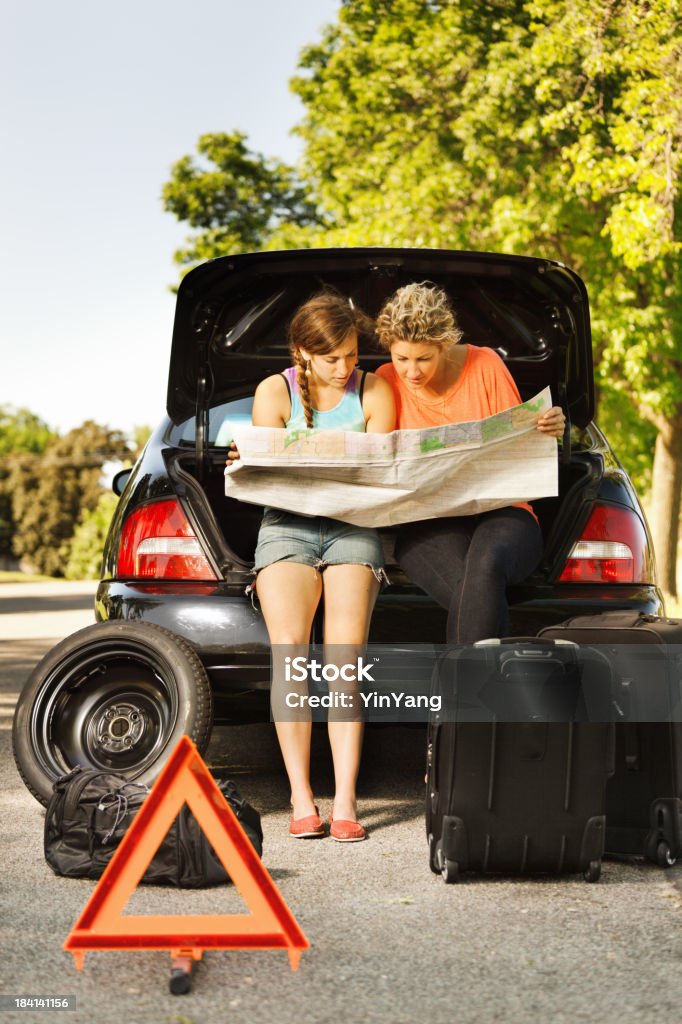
{"x":666,"y":492}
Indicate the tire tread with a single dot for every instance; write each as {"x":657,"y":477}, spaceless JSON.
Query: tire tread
{"x":195,"y":675}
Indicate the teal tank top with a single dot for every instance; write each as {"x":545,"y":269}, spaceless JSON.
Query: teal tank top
{"x":346,"y":415}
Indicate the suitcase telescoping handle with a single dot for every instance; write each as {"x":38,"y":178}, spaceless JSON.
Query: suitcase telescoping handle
{"x":538,"y":642}
{"x":530,"y":646}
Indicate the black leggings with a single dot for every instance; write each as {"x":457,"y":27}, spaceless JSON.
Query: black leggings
{"x":466,"y":563}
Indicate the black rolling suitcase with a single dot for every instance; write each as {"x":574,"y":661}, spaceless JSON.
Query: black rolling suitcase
{"x":523,"y":791}
{"x":644,"y":797}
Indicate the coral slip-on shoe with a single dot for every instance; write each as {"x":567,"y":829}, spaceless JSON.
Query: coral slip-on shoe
{"x":346,"y":831}
{"x":310,"y":827}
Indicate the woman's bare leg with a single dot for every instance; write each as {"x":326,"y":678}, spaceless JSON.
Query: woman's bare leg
{"x":289,"y":594}
{"x":349,"y":595}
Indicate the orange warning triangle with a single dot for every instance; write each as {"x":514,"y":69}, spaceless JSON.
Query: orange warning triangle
{"x":102,"y":925}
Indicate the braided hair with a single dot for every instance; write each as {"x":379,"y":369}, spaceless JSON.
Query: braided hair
{"x":320,"y":325}
{"x":303,"y":381}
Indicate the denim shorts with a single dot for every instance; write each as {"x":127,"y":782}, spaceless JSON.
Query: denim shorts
{"x":317,"y":541}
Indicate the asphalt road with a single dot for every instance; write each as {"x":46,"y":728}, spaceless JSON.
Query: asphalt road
{"x":389,"y":941}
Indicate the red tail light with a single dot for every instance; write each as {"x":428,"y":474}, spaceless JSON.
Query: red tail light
{"x":613,"y":548}
{"x":158,"y":542}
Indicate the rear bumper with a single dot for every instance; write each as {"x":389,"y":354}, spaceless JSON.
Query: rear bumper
{"x":230,"y":637}
{"x":547,"y":605}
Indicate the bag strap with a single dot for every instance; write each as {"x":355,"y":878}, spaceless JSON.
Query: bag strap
{"x":74,"y":787}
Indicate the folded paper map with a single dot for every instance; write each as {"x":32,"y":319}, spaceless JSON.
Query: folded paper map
{"x":384,"y":479}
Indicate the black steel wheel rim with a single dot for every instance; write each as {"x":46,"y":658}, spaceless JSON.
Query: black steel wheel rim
{"x":111,"y":704}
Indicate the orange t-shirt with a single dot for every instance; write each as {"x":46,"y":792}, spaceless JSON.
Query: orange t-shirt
{"x":483,"y":388}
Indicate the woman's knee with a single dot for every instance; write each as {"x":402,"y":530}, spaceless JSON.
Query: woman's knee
{"x":491,"y":563}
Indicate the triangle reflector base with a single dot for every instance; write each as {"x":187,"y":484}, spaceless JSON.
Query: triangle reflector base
{"x":102,"y":924}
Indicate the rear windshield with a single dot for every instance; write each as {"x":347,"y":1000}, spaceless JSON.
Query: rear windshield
{"x":221,"y":423}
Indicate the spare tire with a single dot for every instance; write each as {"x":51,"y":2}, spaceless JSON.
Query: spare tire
{"x":115,"y":695}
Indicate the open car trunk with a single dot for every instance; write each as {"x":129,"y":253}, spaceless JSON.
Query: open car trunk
{"x":230,"y":330}
{"x":231,"y":317}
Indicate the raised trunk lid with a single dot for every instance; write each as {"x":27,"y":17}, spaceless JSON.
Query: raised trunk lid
{"x":231,"y":317}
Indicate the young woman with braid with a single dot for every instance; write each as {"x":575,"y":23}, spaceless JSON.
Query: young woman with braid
{"x":301,"y":558}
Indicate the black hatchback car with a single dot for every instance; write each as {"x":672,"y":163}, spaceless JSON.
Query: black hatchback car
{"x":179,"y":552}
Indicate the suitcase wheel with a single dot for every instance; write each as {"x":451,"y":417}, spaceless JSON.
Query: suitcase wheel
{"x":449,"y":871}
{"x":593,"y":871}
{"x":664,"y":857}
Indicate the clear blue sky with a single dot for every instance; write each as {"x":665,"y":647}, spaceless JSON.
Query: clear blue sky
{"x":97,"y":101}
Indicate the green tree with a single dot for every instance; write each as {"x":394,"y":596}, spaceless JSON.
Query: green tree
{"x":140,"y":435}
{"x":87,"y":544}
{"x":622,"y":133}
{"x":51,"y":491}
{"x":545,"y":127}
{"x":234,"y":199}
{"x":21,"y":431}
{"x":539,"y":127}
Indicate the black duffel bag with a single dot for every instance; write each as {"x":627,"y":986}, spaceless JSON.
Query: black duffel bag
{"x":91,"y":810}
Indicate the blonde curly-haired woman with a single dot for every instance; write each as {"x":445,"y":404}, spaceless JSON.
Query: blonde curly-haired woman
{"x":465,"y":563}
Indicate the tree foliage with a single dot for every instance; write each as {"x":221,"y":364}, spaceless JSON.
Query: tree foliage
{"x":540,"y":127}
{"x":21,"y":431}
{"x":543,"y":127}
{"x":87,"y":544}
{"x":234,"y":199}
{"x":140,"y":435}
{"x":51,"y":491}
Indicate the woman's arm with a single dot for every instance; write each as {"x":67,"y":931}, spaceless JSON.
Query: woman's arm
{"x":271,"y":408}
{"x":378,"y":405}
{"x":271,"y":403}
{"x":503,"y":394}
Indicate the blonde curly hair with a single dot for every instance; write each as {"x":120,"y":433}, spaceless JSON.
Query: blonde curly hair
{"x":418,"y":312}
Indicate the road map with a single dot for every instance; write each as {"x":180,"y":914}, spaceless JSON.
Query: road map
{"x":387,"y":479}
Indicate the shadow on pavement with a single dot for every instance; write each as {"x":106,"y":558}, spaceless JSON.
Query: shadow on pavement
{"x":18,"y":658}
{"x":390,"y":786}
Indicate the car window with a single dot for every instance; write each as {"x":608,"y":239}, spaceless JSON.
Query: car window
{"x":221,"y":423}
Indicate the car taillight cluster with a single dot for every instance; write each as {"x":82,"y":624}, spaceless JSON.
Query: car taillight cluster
{"x":612,"y":548}
{"x":158,"y":542}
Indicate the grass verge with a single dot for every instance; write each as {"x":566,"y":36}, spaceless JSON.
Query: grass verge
{"x":24,"y":577}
